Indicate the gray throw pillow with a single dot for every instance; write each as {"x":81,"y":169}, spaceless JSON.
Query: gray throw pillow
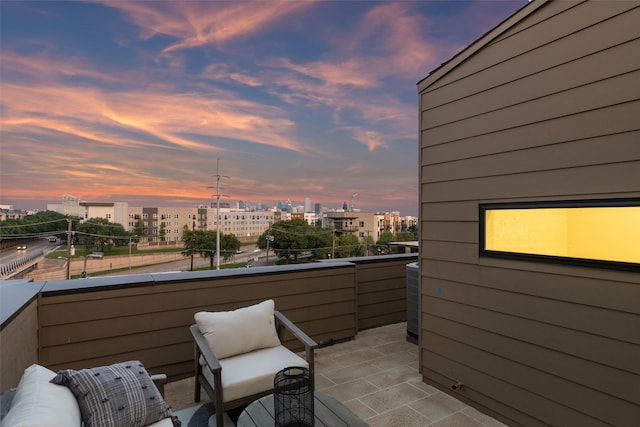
{"x":119,"y":395}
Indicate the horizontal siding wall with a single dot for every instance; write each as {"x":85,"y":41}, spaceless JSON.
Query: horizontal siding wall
{"x":382,"y":290}
{"x":150,"y":321}
{"x":548,"y":110}
{"x":18,"y":344}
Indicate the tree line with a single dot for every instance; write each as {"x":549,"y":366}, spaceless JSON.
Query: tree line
{"x":296,"y":239}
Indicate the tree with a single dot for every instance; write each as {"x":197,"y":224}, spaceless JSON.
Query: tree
{"x":414,"y":229}
{"x":382,"y":245}
{"x":385,"y":238}
{"x":203,"y":242}
{"x":101,"y":235}
{"x":293,"y":237}
{"x":348,"y":246}
{"x":139,"y":229}
{"x":163,"y":231}
{"x":36,"y":225}
{"x":405,"y":236}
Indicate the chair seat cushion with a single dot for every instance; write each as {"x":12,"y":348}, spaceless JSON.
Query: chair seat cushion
{"x":250,"y":373}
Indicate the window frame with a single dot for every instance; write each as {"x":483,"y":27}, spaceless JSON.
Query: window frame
{"x":483,"y":208}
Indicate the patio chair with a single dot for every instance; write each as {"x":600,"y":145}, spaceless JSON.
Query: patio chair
{"x":238,"y":353}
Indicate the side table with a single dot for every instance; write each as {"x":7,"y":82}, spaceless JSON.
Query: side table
{"x":327,"y":411}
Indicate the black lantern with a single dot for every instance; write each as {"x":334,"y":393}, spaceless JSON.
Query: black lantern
{"x":293,"y":397}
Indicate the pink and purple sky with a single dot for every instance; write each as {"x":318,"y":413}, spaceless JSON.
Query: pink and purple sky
{"x":133,"y":101}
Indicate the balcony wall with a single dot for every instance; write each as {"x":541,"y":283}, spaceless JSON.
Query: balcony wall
{"x":382,"y":289}
{"x":146,"y":317}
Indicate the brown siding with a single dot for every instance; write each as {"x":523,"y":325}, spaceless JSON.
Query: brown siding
{"x":150,"y":323}
{"x":382,"y":292}
{"x":18,"y":344}
{"x":546,"y":110}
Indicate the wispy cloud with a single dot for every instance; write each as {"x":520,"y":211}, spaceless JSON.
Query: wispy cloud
{"x":196,"y":24}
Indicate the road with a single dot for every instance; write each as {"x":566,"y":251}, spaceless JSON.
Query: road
{"x":10,"y":255}
{"x":12,"y":260}
{"x":248,"y":257}
{"x":251,"y":256}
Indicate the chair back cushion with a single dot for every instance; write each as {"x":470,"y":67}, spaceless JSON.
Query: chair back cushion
{"x":37,"y":402}
{"x":246,"y":329}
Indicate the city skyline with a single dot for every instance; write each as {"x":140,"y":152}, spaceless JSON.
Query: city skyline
{"x":135,"y":101}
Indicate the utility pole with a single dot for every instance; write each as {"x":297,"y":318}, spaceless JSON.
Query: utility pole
{"x":217,"y":214}
{"x":269,"y":238}
{"x":218,"y":195}
{"x":193,"y":241}
{"x":69,"y":237}
{"x":333,"y":242}
{"x":367,"y":244}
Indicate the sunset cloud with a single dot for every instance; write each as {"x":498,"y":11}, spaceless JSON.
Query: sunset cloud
{"x":135,"y":100}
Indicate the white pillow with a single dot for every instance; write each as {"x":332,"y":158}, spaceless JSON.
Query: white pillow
{"x":240,"y":331}
{"x":38,"y":403}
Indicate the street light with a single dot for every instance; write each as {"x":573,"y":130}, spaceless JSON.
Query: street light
{"x":269,"y":238}
{"x":94,"y":255}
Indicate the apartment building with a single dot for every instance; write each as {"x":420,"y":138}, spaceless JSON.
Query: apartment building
{"x":360,"y":224}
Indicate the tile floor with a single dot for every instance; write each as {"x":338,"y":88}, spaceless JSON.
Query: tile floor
{"x":376,"y":376}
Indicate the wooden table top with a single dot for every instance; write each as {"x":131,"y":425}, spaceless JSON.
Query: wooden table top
{"x":327,"y":411}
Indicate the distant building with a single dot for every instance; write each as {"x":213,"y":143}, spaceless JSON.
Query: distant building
{"x":116,"y":212}
{"x":360,"y":224}
{"x":70,"y":206}
{"x":9,"y":212}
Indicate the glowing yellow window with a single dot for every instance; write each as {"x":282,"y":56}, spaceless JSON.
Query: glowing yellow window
{"x":569,"y":230}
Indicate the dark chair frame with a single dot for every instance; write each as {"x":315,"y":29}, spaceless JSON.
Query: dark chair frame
{"x":215,"y":392}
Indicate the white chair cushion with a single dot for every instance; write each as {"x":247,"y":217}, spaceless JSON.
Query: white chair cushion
{"x":38,"y":403}
{"x":229,"y":333}
{"x":251,"y":373}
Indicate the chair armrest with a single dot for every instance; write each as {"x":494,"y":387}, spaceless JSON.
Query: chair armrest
{"x":204,"y":350}
{"x":159,"y":380}
{"x":309,"y":344}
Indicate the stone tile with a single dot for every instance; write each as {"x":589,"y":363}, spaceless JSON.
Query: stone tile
{"x":396,"y":359}
{"x":325,"y":363}
{"x":371,"y":340}
{"x":321,"y":382}
{"x":400,"y":417}
{"x":357,"y":356}
{"x":457,"y":420}
{"x":351,"y":390}
{"x":396,"y":347}
{"x":380,"y":338}
{"x":339,"y":349}
{"x":343,"y":375}
{"x":393,"y":397}
{"x":429,"y":390}
{"x":393,"y":377}
{"x":437,"y":406}
{"x":360,"y":409}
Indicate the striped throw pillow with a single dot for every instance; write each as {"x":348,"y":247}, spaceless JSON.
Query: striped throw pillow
{"x":118,"y":395}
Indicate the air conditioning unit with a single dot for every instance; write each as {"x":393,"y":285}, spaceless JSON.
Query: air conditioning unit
{"x":413,"y":278}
